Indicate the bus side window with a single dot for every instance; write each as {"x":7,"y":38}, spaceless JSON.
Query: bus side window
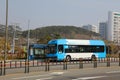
{"x":81,"y":49}
{"x":60,"y":48}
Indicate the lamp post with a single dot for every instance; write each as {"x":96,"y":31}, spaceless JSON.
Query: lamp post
{"x":6,"y":38}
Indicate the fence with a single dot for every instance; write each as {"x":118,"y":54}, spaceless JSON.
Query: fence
{"x":24,"y":66}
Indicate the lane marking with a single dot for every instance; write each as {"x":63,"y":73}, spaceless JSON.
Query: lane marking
{"x":113,"y":72}
{"x":57,"y":73}
{"x":50,"y":74}
{"x":31,"y":76}
{"x":87,"y":78}
{"x":45,"y":78}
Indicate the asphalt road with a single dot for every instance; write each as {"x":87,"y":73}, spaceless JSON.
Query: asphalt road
{"x":101,"y":73}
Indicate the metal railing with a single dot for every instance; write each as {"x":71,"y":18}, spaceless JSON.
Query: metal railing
{"x":47,"y":64}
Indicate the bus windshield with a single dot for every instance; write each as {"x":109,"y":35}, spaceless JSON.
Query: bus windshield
{"x":52,"y":48}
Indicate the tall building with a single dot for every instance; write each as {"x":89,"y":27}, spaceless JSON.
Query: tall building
{"x":113,"y":28}
{"x":92,"y":28}
{"x":102,"y":29}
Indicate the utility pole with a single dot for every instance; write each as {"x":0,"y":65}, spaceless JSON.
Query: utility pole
{"x":28,"y":40}
{"x":6,"y":38}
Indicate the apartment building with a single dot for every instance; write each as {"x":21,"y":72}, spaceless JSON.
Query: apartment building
{"x":113,"y":28}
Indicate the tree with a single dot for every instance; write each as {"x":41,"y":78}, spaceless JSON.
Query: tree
{"x":44,"y":40}
{"x":2,"y":45}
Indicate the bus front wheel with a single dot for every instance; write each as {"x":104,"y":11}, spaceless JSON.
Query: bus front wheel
{"x":68,"y":58}
{"x":93,"y":57}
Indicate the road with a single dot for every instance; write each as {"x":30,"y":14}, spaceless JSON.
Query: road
{"x":101,"y":73}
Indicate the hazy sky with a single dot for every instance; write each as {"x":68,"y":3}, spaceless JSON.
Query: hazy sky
{"x":57,"y":12}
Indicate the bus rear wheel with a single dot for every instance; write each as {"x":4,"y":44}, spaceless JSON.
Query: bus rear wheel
{"x":68,"y":58}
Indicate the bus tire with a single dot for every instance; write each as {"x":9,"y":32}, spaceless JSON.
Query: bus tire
{"x":68,"y":58}
{"x":93,"y":58}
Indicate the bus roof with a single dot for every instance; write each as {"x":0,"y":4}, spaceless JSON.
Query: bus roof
{"x":76,"y":42}
{"x":38,"y":45}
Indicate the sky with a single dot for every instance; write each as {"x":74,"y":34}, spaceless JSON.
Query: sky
{"x":43,"y":13}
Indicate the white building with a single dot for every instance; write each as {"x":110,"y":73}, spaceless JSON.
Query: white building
{"x":92,"y":28}
{"x":113,"y":28}
{"x":102,"y":29}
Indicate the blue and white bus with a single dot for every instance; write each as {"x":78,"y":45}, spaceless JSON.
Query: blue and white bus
{"x":37,"y":51}
{"x":61,"y":49}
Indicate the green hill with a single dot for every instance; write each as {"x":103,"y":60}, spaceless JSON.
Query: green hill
{"x":44,"y":34}
{"x":53,"y":32}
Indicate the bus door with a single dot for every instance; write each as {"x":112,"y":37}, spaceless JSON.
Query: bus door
{"x":61,"y":53}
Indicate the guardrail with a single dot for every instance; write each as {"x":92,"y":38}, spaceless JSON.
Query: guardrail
{"x":47,"y":65}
